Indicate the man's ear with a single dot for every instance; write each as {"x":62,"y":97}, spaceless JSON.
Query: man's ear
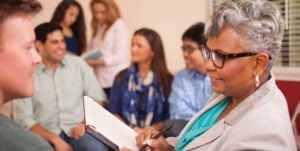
{"x":261,"y":62}
{"x":39,"y":45}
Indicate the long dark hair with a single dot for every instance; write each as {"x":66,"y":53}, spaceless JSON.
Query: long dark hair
{"x":78,"y":27}
{"x":158,"y":64}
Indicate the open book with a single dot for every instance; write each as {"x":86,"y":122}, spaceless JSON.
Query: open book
{"x":106,"y":127}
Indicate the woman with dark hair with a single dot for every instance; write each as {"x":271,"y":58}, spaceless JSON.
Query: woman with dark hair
{"x":139,"y":95}
{"x":70,"y":16}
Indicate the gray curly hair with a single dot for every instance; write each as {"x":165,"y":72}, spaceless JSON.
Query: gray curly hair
{"x":258,"y":21}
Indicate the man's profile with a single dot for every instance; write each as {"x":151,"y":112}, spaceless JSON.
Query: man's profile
{"x":18,"y":57}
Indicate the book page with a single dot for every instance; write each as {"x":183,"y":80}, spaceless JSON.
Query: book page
{"x":108,"y":125}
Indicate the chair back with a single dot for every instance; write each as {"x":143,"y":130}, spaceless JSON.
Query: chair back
{"x":296,"y":113}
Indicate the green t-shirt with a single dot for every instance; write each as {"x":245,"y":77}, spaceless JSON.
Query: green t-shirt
{"x":13,"y":137}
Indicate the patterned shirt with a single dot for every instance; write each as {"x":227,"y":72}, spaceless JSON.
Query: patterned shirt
{"x":138,"y":103}
{"x":57,"y":103}
{"x":190,"y":92}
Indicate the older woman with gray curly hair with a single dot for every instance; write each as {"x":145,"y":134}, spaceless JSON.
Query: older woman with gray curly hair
{"x":247,"y":111}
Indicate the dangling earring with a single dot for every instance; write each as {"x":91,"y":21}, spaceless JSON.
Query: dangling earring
{"x":256,"y":80}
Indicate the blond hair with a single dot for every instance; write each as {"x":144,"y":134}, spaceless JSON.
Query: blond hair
{"x":113,"y":13}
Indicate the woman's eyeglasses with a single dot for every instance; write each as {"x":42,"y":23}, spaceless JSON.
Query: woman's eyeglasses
{"x":218,"y":58}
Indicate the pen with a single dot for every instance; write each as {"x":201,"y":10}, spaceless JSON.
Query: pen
{"x":156,"y":137}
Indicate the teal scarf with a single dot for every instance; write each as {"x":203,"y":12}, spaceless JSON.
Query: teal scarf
{"x":202,"y":124}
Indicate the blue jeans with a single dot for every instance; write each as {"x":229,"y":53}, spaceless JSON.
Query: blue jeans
{"x":84,"y":143}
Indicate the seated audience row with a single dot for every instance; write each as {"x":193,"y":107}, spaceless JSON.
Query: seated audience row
{"x":144,"y":95}
{"x":247,"y":110}
{"x":149,"y":73}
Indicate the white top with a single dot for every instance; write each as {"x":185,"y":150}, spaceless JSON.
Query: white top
{"x":114,"y":47}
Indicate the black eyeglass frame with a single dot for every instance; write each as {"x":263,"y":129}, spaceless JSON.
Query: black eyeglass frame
{"x":205,"y":51}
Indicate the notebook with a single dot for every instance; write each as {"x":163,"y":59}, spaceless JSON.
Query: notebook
{"x":92,"y":55}
{"x":105,"y":127}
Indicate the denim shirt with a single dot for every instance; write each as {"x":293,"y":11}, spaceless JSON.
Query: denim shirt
{"x":190,"y":92}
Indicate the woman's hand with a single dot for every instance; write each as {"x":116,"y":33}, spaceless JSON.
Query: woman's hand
{"x":138,"y":130}
{"x":125,"y":149}
{"x":159,"y":144}
{"x":94,"y":63}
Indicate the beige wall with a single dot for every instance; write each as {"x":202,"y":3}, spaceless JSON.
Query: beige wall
{"x":168,"y":17}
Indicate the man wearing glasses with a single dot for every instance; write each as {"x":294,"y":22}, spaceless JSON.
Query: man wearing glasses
{"x":191,"y":87}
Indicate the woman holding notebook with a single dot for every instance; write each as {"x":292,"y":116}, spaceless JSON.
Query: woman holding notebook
{"x":111,"y":36}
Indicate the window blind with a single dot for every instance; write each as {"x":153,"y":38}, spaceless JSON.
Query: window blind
{"x":290,"y":51}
